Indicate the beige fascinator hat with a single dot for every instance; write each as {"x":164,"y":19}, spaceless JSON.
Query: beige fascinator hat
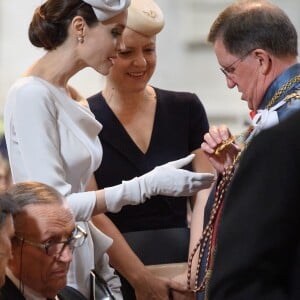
{"x":106,"y":9}
{"x":145,"y":17}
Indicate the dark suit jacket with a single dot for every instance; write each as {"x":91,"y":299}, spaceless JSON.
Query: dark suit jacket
{"x":10,"y":292}
{"x":258,"y":247}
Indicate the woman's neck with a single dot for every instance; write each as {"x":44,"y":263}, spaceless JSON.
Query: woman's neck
{"x":57,"y":67}
{"x":127,"y":100}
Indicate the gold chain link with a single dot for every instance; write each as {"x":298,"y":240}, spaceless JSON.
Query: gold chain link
{"x":282,"y":90}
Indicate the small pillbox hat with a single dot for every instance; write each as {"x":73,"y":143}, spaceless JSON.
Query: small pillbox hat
{"x":106,"y":9}
{"x":145,"y":17}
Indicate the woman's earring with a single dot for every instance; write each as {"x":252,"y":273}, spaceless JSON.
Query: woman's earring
{"x":80,"y":39}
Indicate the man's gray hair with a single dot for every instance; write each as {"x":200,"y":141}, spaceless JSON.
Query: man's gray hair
{"x":31,"y":192}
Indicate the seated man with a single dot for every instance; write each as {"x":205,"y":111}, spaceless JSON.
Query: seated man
{"x":7,"y":208}
{"x":45,"y":237}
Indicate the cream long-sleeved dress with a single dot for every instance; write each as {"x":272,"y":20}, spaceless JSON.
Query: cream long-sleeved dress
{"x":54,"y":140}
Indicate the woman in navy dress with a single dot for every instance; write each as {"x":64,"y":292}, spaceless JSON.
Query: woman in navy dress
{"x":144,"y":126}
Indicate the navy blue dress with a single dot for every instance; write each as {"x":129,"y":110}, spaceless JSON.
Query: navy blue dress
{"x":179,"y":126}
{"x":157,"y":229}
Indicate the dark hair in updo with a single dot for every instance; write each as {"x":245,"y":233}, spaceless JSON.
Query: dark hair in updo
{"x":49,"y":25}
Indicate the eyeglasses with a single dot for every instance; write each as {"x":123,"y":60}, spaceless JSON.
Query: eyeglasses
{"x":77,"y":239}
{"x":229,"y":70}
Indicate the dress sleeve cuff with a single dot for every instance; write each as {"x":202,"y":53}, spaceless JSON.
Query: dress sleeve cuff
{"x":82,"y":205}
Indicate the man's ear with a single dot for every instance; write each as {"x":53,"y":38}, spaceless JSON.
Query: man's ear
{"x":264,"y":60}
{"x":16,"y":253}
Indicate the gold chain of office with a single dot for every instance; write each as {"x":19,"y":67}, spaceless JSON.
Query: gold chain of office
{"x":206,"y":238}
{"x":282,"y":90}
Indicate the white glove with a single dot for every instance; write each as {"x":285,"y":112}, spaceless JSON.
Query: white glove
{"x":167,"y":180}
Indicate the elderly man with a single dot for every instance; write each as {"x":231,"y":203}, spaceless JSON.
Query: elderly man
{"x":256,"y":46}
{"x":45,"y":237}
{"x":7,"y":209}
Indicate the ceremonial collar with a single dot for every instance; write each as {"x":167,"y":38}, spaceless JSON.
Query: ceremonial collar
{"x":278,"y":83}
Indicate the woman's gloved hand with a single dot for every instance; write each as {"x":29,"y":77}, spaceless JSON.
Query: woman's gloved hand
{"x":168,"y":180}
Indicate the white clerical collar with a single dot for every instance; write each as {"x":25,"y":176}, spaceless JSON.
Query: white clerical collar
{"x":266,"y":118}
{"x":27,"y":292}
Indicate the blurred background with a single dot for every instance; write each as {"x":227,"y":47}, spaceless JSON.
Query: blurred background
{"x":185,"y":61}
